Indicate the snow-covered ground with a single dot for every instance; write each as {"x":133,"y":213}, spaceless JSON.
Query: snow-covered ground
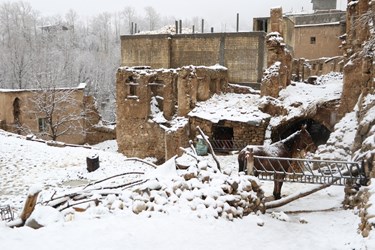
{"x":315,"y":222}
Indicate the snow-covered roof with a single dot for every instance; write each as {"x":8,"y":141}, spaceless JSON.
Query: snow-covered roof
{"x":317,"y":24}
{"x":80,"y":86}
{"x":230,"y":107}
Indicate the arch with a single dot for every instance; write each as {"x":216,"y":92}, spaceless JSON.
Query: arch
{"x":318,"y":131}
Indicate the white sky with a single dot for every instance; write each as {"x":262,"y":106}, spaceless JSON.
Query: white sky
{"x":221,"y":14}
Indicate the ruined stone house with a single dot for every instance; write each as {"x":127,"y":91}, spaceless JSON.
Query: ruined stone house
{"x":25,"y":112}
{"x":157,"y":111}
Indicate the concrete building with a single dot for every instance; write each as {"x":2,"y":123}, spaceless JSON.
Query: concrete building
{"x":241,"y":53}
{"x":310,"y":35}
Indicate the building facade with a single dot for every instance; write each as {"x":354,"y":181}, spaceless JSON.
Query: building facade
{"x":31,"y":111}
{"x":241,"y":53}
{"x":309,"y":36}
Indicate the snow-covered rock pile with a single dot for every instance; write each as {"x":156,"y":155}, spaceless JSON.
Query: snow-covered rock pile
{"x":200,"y":190}
{"x":339,"y":144}
{"x":332,"y":76}
{"x":367,"y":210}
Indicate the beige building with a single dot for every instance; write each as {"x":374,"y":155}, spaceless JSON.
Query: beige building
{"x":309,"y":36}
{"x":63,"y":114}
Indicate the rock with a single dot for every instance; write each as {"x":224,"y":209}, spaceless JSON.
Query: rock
{"x":139,"y":206}
{"x":44,"y":216}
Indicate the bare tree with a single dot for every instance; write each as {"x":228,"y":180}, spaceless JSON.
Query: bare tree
{"x":58,"y":112}
{"x":129,"y":16}
{"x":152,"y":17}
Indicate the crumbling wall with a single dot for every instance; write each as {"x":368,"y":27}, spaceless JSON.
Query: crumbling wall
{"x":152,"y":104}
{"x":246,"y":133}
{"x":359,"y":70}
{"x":302,"y":69}
{"x":279,"y":60}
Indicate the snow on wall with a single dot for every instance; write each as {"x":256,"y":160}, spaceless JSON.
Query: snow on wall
{"x":231,"y":107}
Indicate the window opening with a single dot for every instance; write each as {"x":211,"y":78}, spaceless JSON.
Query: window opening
{"x":42,"y":124}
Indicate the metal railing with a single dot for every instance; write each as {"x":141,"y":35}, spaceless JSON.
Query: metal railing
{"x":6,"y":213}
{"x":227,"y":145}
{"x":308,"y":171}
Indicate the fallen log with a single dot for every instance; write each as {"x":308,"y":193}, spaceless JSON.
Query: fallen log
{"x":283,"y":201}
{"x":28,"y":208}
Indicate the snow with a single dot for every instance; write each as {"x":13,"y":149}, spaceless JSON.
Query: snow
{"x":317,"y":24}
{"x":301,"y":99}
{"x":228,"y":107}
{"x":24,"y":163}
{"x":317,"y":221}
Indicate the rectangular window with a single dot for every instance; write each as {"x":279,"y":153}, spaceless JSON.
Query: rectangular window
{"x":313,"y":40}
{"x":42,"y":124}
{"x":133,"y":90}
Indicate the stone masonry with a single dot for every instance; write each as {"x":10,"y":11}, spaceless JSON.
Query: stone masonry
{"x":152,"y":106}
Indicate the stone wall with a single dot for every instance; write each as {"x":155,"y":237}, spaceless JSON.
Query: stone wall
{"x":152,"y":104}
{"x":303,"y":69}
{"x":359,"y":69}
{"x":247,"y":133}
{"x":242,"y":53}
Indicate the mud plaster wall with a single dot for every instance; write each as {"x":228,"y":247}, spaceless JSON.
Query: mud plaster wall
{"x":29,"y":114}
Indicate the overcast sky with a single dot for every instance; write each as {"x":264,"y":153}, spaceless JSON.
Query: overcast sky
{"x":220,"y":13}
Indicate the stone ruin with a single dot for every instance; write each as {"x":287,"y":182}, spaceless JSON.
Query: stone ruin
{"x":359,"y":70}
{"x":152,"y":105}
{"x":279,"y":60}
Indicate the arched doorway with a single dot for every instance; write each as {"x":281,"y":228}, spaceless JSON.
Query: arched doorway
{"x":17,"y":114}
{"x":318,"y":131}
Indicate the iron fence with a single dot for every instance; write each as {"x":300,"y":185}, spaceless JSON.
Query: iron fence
{"x":308,"y":171}
{"x":227,"y":145}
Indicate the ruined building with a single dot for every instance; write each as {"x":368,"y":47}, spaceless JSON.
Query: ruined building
{"x":359,"y":70}
{"x":277,"y":76}
{"x":157,"y":111}
{"x":152,"y":106}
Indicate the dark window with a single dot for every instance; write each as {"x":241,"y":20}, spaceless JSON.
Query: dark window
{"x":42,"y":124}
{"x":16,"y":110}
{"x":313,"y":40}
{"x":133,"y":90}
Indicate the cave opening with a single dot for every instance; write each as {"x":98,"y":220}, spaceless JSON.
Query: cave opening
{"x":319,"y":133}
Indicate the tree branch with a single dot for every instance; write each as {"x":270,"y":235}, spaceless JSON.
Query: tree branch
{"x":209,"y":147}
